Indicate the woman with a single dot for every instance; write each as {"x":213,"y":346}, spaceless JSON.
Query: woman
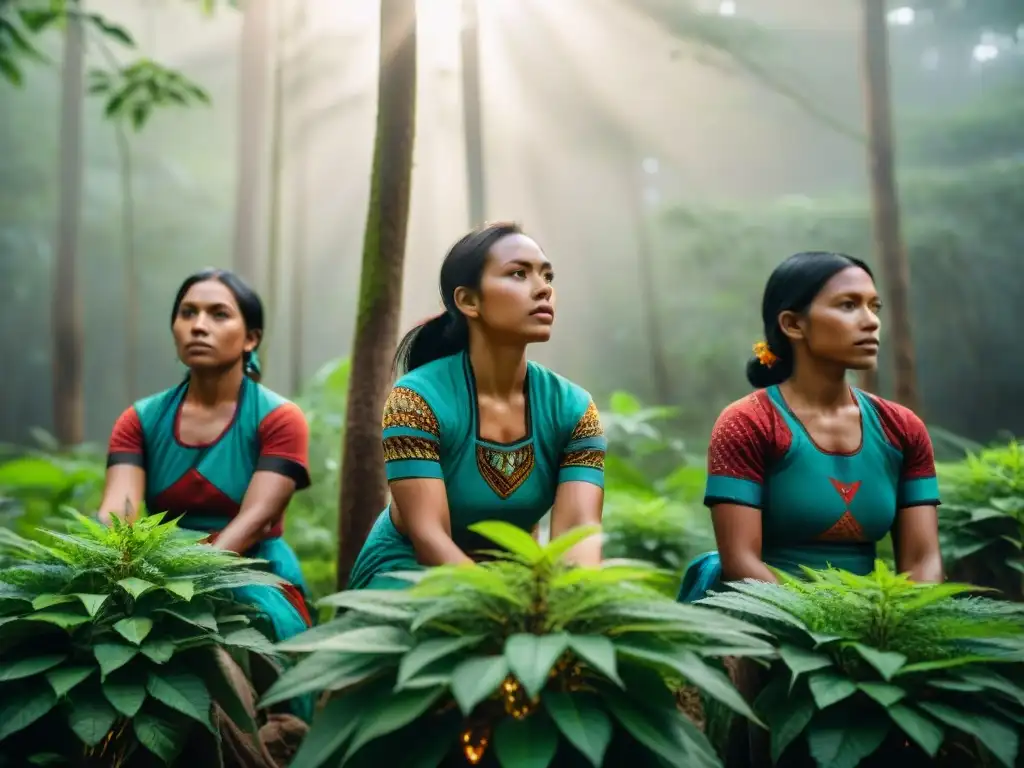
{"x":472,"y":430}
{"x":219,"y":450}
{"x":807,"y":471}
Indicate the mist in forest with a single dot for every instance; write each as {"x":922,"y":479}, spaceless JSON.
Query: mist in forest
{"x":623,"y":148}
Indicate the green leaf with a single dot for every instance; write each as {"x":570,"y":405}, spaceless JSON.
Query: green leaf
{"x":183,"y":692}
{"x":559,"y":548}
{"x":158,"y":736}
{"x":192,"y":614}
{"x":527,"y":743}
{"x":1002,"y":740}
{"x":136,"y":587}
{"x":332,"y":726}
{"x":886,"y":663}
{"x":830,"y":688}
{"x":842,"y":737}
{"x":159,"y":651}
{"x":91,"y":717}
{"x":126,"y":694}
{"x":183,"y":588}
{"x":249,"y":639}
{"x":430,"y":651}
{"x":884,"y":693}
{"x":210,"y":664}
{"x":476,"y":679}
{"x":134,"y":629}
{"x":787,"y":713}
{"x":599,"y":653}
{"x":583,"y":723}
{"x":113,"y":656}
{"x":531,"y":657}
{"x":924,"y":731}
{"x":63,"y":679}
{"x":395,"y":712}
{"x":386,"y":605}
{"x":61,"y":619}
{"x":515,"y":540}
{"x":645,"y":725}
{"x":800,"y":660}
{"x":46,"y":601}
{"x":32,"y":702}
{"x":16,"y":670}
{"x":92,"y":603}
{"x":325,"y":670}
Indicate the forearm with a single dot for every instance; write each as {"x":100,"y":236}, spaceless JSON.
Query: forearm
{"x":245,"y":530}
{"x":437,"y":548}
{"x":748,"y":566}
{"x":587,"y":553}
{"x":926,"y":569}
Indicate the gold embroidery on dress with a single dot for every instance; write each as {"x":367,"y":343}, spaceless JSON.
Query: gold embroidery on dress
{"x":505,"y":470}
{"x":587,"y":457}
{"x":407,"y":408}
{"x":846,"y":529}
{"x":589,"y":424}
{"x":404,"y":447}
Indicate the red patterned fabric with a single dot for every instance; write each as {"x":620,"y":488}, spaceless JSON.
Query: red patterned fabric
{"x":284,"y":434}
{"x":126,"y":437}
{"x":748,"y":436}
{"x":906,"y":433}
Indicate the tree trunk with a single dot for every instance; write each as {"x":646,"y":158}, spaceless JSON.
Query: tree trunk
{"x":298,"y":260}
{"x":252,"y":138}
{"x":885,"y":202}
{"x":273,"y":277}
{"x":68,"y":405}
{"x":132,"y":315}
{"x":472,"y":120}
{"x":363,"y":484}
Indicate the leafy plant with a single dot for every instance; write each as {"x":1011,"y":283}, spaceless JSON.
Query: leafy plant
{"x":110,"y":640}
{"x":981,"y":523}
{"x":867,"y":662}
{"x":518,"y":661}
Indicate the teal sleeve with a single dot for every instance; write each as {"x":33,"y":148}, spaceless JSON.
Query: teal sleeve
{"x":412,"y":436}
{"x":582,"y":458}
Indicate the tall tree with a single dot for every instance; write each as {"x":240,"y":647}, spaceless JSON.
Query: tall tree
{"x":298,"y":255}
{"x":885,"y":207}
{"x":363,"y":483}
{"x":472,"y":113}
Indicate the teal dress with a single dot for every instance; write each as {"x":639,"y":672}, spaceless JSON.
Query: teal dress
{"x":431,"y":429}
{"x":204,"y":485}
{"x":818,"y":508}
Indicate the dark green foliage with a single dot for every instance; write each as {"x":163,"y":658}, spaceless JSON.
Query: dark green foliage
{"x":109,"y":641}
{"x":868,"y":661}
{"x":521,"y":658}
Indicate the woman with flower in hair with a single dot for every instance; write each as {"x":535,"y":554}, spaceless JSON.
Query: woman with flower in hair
{"x":474,"y":431}
{"x":807,"y":470}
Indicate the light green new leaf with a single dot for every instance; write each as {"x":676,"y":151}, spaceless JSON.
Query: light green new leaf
{"x":376,"y":640}
{"x":559,"y":548}
{"x":92,"y":603}
{"x":183,"y":588}
{"x":599,"y":653}
{"x":134,"y":629}
{"x":136,"y":587}
{"x":515,"y":540}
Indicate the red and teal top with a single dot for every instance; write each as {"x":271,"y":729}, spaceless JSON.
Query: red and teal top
{"x":209,"y":481}
{"x":820,"y":507}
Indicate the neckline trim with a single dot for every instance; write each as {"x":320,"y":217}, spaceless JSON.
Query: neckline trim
{"x":227,"y":428}
{"x":779,"y":400}
{"x":467,"y":370}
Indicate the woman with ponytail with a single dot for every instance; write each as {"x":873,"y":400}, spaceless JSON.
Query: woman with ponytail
{"x":806,"y":470}
{"x":474,"y":431}
{"x":219,"y":451}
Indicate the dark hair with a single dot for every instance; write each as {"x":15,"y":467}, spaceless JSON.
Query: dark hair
{"x":448,"y":333}
{"x":249,"y":304}
{"x":792,"y":287}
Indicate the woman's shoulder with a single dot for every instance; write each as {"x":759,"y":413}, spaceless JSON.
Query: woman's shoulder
{"x":899,"y":423}
{"x":752,"y":417}
{"x":550,"y":384}
{"x":266,"y":401}
{"x":150,"y":408}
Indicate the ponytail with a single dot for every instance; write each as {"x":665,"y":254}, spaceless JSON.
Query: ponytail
{"x":760,"y":374}
{"x":441,"y":336}
{"x":251,"y":365}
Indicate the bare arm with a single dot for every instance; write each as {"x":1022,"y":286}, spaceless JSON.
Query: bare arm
{"x":738,"y":533}
{"x":264,"y":503}
{"x":420,"y":511}
{"x":578,"y":503}
{"x":916,"y":540}
{"x":122,"y":493}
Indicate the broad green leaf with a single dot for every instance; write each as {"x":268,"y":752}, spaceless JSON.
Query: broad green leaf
{"x":842,"y":737}
{"x":159,"y":651}
{"x":91,"y":717}
{"x":62,"y":619}
{"x":158,"y":736}
{"x":559,"y":548}
{"x":515,"y":540}
{"x":531,"y":657}
{"x":924,"y":731}
{"x":1002,"y":740}
{"x":386,"y":605}
{"x":800,"y":660}
{"x":92,"y":603}
{"x":47,"y":601}
{"x":191,"y":615}
{"x":183,"y":692}
{"x":379,"y":639}
{"x":34,"y":700}
{"x":136,"y":587}
{"x":126,"y":694}
{"x":787,"y":714}
{"x":992,"y":679}
{"x":599,"y":653}
{"x":395,"y":712}
{"x":249,"y":639}
{"x":884,"y":693}
{"x":649,"y":727}
{"x":63,"y":679}
{"x":209,"y":664}
{"x":429,"y":651}
{"x":20,"y":668}
{"x":886,"y":663}
{"x":830,"y":688}
{"x":476,"y":679}
{"x":183,"y":588}
{"x":527,"y":743}
{"x":583,"y":722}
{"x":331,"y":728}
{"x":325,"y":670}
{"x":134,"y":629}
{"x":113,"y":656}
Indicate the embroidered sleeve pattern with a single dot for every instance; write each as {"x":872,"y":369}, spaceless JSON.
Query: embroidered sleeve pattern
{"x":918,"y":485}
{"x":127,"y":442}
{"x":737,"y":455}
{"x":412,"y":436}
{"x":583,"y":456}
{"x":284,"y":444}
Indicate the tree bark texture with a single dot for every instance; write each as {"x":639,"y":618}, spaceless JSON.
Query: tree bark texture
{"x":472,"y":118}
{"x":363,"y":484}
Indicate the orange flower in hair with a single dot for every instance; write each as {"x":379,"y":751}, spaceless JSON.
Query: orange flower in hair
{"x":764,"y":355}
